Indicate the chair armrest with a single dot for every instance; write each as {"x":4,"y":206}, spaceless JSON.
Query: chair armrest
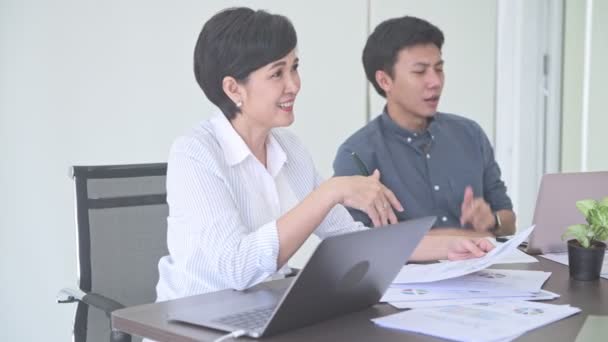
{"x":95,"y":300}
{"x":103,"y":303}
{"x":67,"y":295}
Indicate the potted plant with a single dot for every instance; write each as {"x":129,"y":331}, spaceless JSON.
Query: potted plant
{"x":586,"y":250}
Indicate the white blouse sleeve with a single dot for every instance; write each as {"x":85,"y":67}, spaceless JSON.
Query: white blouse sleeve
{"x":209,"y":245}
{"x":338,"y":221}
{"x":306,"y":179}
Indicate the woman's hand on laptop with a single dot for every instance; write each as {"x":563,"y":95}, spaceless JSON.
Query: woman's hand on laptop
{"x":461,"y":248}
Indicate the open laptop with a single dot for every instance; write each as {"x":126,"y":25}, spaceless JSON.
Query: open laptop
{"x":556,"y":207}
{"x":346,"y":273}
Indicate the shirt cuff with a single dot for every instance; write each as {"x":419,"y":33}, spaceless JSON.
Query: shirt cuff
{"x":268,"y":242}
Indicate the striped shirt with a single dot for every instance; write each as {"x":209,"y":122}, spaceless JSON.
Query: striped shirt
{"x":223,"y":207}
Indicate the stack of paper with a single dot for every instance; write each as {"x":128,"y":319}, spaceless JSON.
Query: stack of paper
{"x":495,"y":321}
{"x":446,"y":270}
{"x":467,"y":281}
{"x":466,"y":301}
{"x":515,"y":257}
{"x":481,"y":286}
{"x":471,"y":299}
{"x":493,"y":280}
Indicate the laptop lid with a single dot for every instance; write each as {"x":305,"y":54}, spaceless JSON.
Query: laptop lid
{"x":556,"y":207}
{"x":346,"y":273}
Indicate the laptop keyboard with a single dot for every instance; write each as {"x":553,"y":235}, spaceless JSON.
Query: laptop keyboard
{"x":248,"y":320}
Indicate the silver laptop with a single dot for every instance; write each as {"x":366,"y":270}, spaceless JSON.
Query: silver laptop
{"x":556,"y":207}
{"x":346,"y":273}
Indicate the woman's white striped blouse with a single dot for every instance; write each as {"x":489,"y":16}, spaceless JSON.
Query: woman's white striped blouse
{"x":223,"y":207}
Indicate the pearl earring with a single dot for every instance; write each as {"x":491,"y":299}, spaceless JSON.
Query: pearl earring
{"x":239,"y":104}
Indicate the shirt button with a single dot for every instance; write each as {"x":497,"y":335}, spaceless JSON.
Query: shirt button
{"x":428,"y":156}
{"x":409,"y":139}
{"x":433,"y":137}
{"x":436,"y":187}
{"x":444,"y":219}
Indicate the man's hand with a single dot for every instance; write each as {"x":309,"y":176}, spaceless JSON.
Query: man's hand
{"x":476,"y":212}
{"x":465,"y":248}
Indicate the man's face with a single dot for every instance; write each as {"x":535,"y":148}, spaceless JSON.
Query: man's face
{"x":417,"y":81}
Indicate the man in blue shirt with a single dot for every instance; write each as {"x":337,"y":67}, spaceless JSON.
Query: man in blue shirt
{"x":435,"y":163}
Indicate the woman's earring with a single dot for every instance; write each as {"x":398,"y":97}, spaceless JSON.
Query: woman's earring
{"x":239,"y":104}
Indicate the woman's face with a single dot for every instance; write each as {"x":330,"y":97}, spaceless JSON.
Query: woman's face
{"x":269,"y":93}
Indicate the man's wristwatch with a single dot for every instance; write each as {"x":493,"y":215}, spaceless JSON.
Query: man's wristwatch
{"x":497,"y":224}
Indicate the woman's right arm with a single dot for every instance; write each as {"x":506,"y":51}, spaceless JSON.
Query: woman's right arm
{"x":367,"y":193}
{"x":208,"y":241}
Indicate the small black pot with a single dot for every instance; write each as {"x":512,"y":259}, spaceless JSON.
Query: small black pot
{"x":585,"y":263}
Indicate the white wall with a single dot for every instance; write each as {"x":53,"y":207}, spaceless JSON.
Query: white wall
{"x":575,"y":60}
{"x":574,"y":47}
{"x":80,"y":82}
{"x":598,"y":116}
{"x":93,"y":82}
{"x":527,"y":97}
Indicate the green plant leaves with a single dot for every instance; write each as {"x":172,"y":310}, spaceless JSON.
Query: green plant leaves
{"x":598,"y":216}
{"x":596,"y":229}
{"x":600,"y":233}
{"x":585,"y":205}
{"x":579,"y":232}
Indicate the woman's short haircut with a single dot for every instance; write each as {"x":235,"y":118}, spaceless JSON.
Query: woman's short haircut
{"x":235,"y":42}
{"x":392,"y":36}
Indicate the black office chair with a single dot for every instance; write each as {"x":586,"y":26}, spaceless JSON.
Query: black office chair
{"x":121,"y":219}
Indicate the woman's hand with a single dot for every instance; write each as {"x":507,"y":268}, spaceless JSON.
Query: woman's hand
{"x":368,"y":195}
{"x":467,"y":248}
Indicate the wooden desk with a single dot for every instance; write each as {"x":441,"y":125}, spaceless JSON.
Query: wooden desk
{"x":592,"y":297}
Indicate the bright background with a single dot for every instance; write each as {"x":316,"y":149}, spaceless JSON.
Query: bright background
{"x":109,"y":82}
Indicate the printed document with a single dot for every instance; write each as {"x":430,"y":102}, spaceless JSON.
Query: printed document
{"x":420,"y":292}
{"x":495,"y":280}
{"x":515,"y":257}
{"x":413,"y":304}
{"x":496,"y":321}
{"x":427,"y":273}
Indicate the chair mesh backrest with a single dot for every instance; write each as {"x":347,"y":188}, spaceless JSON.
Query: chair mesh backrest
{"x":122,"y":228}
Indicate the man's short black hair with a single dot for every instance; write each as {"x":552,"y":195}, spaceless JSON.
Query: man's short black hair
{"x":392,"y":36}
{"x":235,"y":42}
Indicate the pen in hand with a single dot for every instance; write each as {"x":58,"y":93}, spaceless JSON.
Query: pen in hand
{"x":362,"y":168}
{"x":380,"y":214}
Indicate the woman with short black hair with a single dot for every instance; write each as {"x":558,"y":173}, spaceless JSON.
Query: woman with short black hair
{"x":243,"y":192}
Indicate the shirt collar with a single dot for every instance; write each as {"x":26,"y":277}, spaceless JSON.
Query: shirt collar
{"x":275,"y":155}
{"x":236,"y":150}
{"x":432,"y":127}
